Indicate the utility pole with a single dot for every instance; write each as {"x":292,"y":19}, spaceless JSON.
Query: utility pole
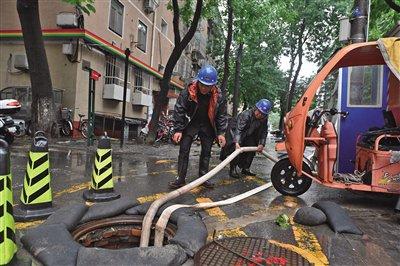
{"x":358,"y":34}
{"x":127,"y":54}
{"x":359,"y":21}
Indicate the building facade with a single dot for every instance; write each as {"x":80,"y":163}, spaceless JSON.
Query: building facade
{"x":74,"y":41}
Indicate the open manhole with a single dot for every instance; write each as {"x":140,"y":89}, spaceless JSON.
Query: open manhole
{"x":241,"y":251}
{"x":116,"y":233}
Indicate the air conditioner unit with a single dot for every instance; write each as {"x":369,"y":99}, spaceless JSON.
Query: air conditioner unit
{"x":142,"y":98}
{"x":21,"y":62}
{"x":116,"y":92}
{"x":149,"y":6}
{"x":67,"y":20}
{"x":67,"y":49}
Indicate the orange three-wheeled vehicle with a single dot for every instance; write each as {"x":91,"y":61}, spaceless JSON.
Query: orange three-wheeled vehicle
{"x":355,"y":143}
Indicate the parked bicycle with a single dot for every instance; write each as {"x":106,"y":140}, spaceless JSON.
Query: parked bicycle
{"x":67,"y":125}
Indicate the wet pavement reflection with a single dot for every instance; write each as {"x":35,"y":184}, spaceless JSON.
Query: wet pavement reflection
{"x":143,"y":172}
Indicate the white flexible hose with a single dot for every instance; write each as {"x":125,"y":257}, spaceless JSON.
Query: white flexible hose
{"x":164,"y":218}
{"x":148,"y":218}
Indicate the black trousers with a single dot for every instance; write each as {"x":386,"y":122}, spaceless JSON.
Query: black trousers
{"x":184,"y":151}
{"x":244,"y":160}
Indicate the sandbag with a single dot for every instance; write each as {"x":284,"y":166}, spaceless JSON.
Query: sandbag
{"x":309,"y":216}
{"x":51,"y":245}
{"x":191,"y":234}
{"x":167,"y":255}
{"x":69,"y":216}
{"x":338,"y":219}
{"x":108,"y":209}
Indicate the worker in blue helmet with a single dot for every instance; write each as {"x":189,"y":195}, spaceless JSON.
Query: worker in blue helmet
{"x":199,"y":111}
{"x":250,"y":128}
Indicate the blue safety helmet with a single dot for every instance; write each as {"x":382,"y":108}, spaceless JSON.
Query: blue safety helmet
{"x":264,"y":106}
{"x":207,"y":75}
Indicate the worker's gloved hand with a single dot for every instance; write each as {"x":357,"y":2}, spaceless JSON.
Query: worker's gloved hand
{"x":260,"y":148}
{"x":177,"y":137}
{"x":221,"y":140}
{"x":237,"y":146}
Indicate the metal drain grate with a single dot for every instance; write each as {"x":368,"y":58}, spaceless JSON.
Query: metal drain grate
{"x":240,"y":251}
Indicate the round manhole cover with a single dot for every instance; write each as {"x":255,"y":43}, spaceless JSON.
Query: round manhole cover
{"x":240,"y":251}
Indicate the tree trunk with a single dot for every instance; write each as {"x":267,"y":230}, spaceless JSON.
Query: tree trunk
{"x":299,"y":53}
{"x":294,"y":81}
{"x":227,"y":50}
{"x":43,"y":116}
{"x":180,"y":45}
{"x":236,"y":84}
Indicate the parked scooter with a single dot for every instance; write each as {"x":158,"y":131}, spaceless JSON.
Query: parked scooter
{"x":7,"y":129}
{"x":7,"y":126}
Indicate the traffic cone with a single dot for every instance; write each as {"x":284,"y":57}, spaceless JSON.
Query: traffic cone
{"x":36,"y":198}
{"x":102,"y":186}
{"x":7,"y":227}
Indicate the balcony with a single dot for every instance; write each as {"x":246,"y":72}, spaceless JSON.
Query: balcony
{"x":142,"y":96}
{"x":114,"y":90}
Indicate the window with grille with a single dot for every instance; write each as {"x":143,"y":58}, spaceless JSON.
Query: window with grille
{"x":142,"y":36}
{"x":142,"y":80}
{"x":138,"y":78}
{"x":114,"y":70}
{"x":116,"y":17}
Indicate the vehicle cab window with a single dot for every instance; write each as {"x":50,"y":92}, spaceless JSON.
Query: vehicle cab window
{"x":365,"y":86}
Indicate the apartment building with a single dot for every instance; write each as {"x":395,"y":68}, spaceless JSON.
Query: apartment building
{"x":74,"y":40}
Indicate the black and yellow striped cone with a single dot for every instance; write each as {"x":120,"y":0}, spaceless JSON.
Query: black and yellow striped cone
{"x":7,"y":226}
{"x":36,"y":197}
{"x":102,"y":186}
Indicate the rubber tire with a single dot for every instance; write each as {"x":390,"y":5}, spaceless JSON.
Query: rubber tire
{"x":84,"y":129}
{"x":276,"y":178}
{"x":19,"y":133}
{"x":9,"y":138}
{"x":66,"y":129}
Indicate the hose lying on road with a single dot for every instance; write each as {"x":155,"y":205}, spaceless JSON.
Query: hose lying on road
{"x":164,"y":218}
{"x":148,"y":218}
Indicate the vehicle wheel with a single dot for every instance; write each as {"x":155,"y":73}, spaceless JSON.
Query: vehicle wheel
{"x":20,"y":132}
{"x":66,"y":128}
{"x":84,"y":129}
{"x":285,"y":180}
{"x":9,"y":138}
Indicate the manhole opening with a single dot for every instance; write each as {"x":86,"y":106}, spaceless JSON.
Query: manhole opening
{"x":117,"y":233}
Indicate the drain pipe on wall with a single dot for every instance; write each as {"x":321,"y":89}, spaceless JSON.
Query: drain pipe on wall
{"x":148,"y":218}
{"x":164,"y":218}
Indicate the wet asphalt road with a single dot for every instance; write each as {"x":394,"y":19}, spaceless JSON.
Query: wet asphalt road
{"x":142,"y":172}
